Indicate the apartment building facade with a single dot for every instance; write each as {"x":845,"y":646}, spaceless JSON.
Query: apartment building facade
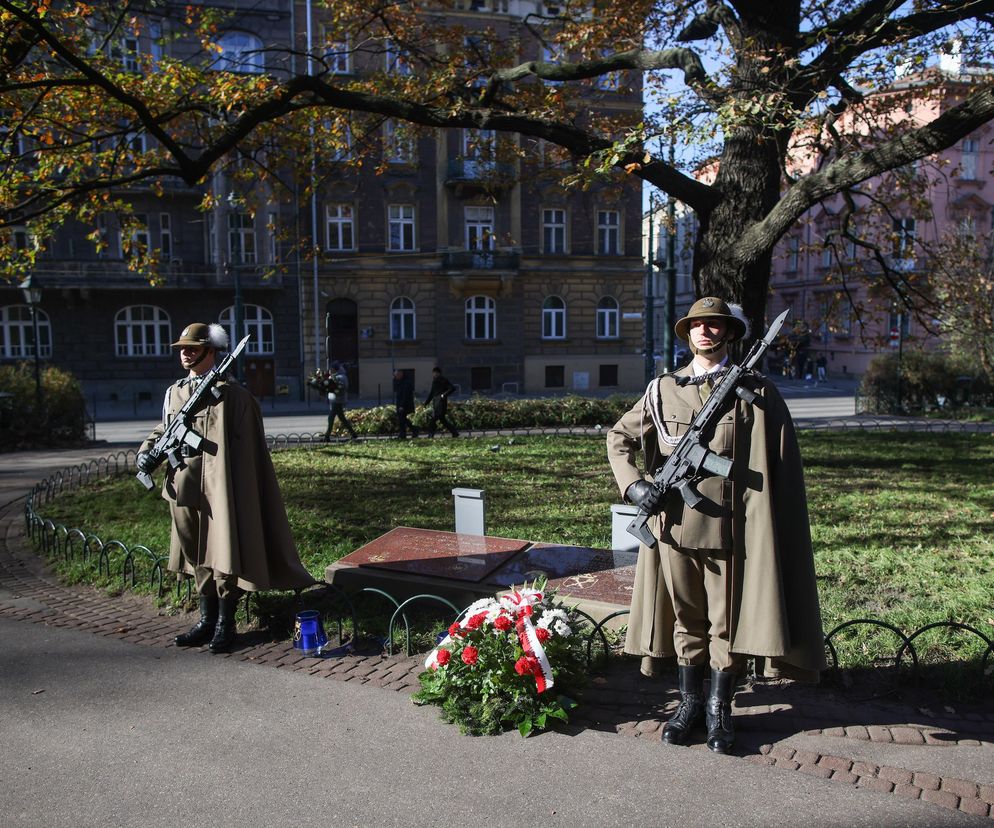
{"x":454,"y":248}
{"x":833,"y":285}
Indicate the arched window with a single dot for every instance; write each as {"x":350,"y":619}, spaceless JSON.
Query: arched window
{"x":481,"y":318}
{"x":553,"y":318}
{"x":403,"y":320}
{"x":19,"y":333}
{"x":142,"y":331}
{"x":607,"y":318}
{"x":257,"y":323}
{"x":240,"y":52}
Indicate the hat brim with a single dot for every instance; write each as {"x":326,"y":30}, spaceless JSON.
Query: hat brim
{"x":735,"y":325}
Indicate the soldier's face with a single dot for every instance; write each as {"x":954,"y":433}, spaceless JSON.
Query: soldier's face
{"x":707,"y":332}
{"x":192,"y":357}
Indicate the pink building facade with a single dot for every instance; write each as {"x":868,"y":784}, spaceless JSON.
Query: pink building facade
{"x":845,"y":292}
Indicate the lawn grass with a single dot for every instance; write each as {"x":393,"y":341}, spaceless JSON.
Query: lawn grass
{"x":901,"y":523}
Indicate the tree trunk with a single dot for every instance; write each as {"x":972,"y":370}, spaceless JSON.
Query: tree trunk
{"x":748,"y":182}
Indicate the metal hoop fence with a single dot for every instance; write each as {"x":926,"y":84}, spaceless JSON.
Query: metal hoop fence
{"x":114,"y":556}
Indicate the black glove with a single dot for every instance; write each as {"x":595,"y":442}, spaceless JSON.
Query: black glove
{"x":644,"y":495}
{"x":145,"y":462}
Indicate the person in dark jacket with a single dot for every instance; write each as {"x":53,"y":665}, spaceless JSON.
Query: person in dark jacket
{"x":403,"y":396}
{"x":441,"y":390}
{"x":338,"y":394}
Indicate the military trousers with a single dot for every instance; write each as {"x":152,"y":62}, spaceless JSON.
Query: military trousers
{"x":697,"y":583}
{"x":186,"y":525}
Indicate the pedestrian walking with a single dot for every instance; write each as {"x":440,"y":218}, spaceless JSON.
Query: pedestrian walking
{"x":338,"y":396}
{"x":403,"y":396}
{"x":438,"y":395}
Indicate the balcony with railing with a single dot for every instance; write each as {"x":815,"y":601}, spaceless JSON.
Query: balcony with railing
{"x":480,"y":260}
{"x":474,"y":174}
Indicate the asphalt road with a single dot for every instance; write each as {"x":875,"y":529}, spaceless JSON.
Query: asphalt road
{"x":805,"y":401}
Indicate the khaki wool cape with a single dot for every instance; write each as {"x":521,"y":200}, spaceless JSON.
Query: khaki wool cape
{"x":243,"y":528}
{"x":761,"y":514}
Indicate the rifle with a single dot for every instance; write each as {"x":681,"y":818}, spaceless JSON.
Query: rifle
{"x":179,"y":432}
{"x":692,"y":460}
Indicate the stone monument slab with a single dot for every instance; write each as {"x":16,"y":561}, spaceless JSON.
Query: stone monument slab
{"x":430,"y":553}
{"x":601,"y":576}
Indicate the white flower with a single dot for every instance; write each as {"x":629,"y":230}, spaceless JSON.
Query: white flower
{"x":562,"y":629}
{"x":552,"y":615}
{"x":478,"y":607}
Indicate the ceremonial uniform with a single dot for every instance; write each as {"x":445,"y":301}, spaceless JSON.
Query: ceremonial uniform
{"x":229,"y":522}
{"x":229,"y":527}
{"x":733,"y":577}
{"x":751,"y":532}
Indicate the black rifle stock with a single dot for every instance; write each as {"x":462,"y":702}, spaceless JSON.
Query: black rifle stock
{"x":179,"y":432}
{"x":692,"y":460}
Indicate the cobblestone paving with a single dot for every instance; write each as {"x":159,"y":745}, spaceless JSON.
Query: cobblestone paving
{"x":619,"y":700}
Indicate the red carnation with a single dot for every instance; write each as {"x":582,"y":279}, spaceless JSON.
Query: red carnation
{"x":541,"y":634}
{"x":470,"y":655}
{"x":503,"y":623}
{"x":454,"y":629}
{"x":475,"y":621}
{"x":442,"y":657}
{"x":521,"y":666}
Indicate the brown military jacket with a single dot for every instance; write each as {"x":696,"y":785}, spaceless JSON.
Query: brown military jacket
{"x":243,"y":524}
{"x":760,"y":514}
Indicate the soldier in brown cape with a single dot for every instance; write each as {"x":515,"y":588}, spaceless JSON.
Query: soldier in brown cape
{"x":735,"y":577}
{"x":229,"y":529}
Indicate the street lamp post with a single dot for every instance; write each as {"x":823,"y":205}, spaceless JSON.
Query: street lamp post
{"x":670,"y":273}
{"x":32,"y":298}
{"x":650,"y":310}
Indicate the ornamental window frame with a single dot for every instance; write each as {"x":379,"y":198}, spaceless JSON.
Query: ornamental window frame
{"x":403,"y":319}
{"x":240,"y":52}
{"x":554,"y":318}
{"x":339,"y":222}
{"x":17,"y":333}
{"x":609,"y":232}
{"x":608,"y":318}
{"x":142,"y":331}
{"x":401,"y":228}
{"x":481,"y":318}
{"x":554,"y":230}
{"x":257,"y":322}
{"x":242,"y":246}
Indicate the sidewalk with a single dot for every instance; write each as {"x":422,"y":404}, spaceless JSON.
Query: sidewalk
{"x":96,"y":698}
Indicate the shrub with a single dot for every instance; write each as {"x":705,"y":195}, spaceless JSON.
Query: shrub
{"x":479,"y":412}
{"x":929,"y":380}
{"x":59,"y":420}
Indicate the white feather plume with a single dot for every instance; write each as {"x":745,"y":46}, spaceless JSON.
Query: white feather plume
{"x":739,"y":313}
{"x":217,"y":337}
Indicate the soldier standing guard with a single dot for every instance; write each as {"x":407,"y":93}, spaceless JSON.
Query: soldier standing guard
{"x":734,"y":577}
{"x":229,"y":526}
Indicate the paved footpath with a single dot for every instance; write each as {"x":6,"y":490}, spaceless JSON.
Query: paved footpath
{"x":106,"y":722}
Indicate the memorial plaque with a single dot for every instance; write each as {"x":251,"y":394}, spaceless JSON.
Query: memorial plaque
{"x":436,"y":554}
{"x":598,"y":575}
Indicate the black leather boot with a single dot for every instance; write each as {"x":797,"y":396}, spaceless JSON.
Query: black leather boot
{"x":224,"y":633}
{"x":690,"y":713}
{"x":202,"y":631}
{"x":721,"y":733}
